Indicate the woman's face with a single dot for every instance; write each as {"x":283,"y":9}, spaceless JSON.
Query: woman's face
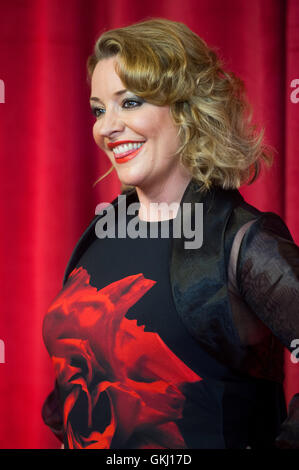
{"x":148,"y":130}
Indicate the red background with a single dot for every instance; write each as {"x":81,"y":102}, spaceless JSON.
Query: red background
{"x":49,"y":160}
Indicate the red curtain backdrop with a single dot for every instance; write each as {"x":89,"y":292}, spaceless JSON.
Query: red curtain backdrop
{"x":49,"y":160}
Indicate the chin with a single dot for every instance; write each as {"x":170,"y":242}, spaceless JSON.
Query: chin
{"x":131,"y":180}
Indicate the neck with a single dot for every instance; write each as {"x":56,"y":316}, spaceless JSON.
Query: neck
{"x":162,"y":201}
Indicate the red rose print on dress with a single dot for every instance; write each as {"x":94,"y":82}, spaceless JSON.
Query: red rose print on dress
{"x":101,"y":358}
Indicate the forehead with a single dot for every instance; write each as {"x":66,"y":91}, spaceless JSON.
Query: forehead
{"x":105,"y":80}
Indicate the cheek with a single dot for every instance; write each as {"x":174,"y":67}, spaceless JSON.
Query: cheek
{"x":145,"y":123}
{"x":94,"y":133}
{"x":97,"y":137}
{"x":161,"y":127}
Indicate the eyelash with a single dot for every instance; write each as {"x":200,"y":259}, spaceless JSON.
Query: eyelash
{"x":95,"y":109}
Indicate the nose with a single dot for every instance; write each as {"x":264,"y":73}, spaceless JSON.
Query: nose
{"x":109,"y":124}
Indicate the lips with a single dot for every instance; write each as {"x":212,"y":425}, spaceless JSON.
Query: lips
{"x":126,"y":156}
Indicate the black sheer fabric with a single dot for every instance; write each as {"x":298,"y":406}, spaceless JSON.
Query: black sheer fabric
{"x":268,"y":280}
{"x":265,"y":298}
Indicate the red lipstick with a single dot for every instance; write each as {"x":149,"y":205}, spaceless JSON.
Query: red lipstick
{"x":127,"y":155}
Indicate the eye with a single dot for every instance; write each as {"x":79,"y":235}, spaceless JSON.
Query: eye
{"x":130,"y":101}
{"x":97,"y":112}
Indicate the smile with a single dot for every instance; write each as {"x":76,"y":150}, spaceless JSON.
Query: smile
{"x":125,"y":152}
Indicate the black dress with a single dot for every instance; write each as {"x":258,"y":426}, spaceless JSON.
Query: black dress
{"x":127,"y":380}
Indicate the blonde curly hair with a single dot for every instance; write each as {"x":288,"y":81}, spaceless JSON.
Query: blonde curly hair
{"x":166,"y":63}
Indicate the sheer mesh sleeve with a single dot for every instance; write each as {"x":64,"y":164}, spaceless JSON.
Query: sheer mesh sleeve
{"x":267,"y":278}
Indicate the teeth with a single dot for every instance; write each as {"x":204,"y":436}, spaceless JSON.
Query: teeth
{"x":125,"y":147}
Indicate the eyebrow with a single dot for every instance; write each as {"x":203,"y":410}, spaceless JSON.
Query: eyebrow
{"x":117,"y":93}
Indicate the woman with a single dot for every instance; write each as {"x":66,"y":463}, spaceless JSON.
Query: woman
{"x":155,"y":343}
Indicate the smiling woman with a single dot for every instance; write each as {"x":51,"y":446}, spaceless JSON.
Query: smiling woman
{"x":123,"y":122}
{"x":218,"y":143}
{"x":158,"y":343}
